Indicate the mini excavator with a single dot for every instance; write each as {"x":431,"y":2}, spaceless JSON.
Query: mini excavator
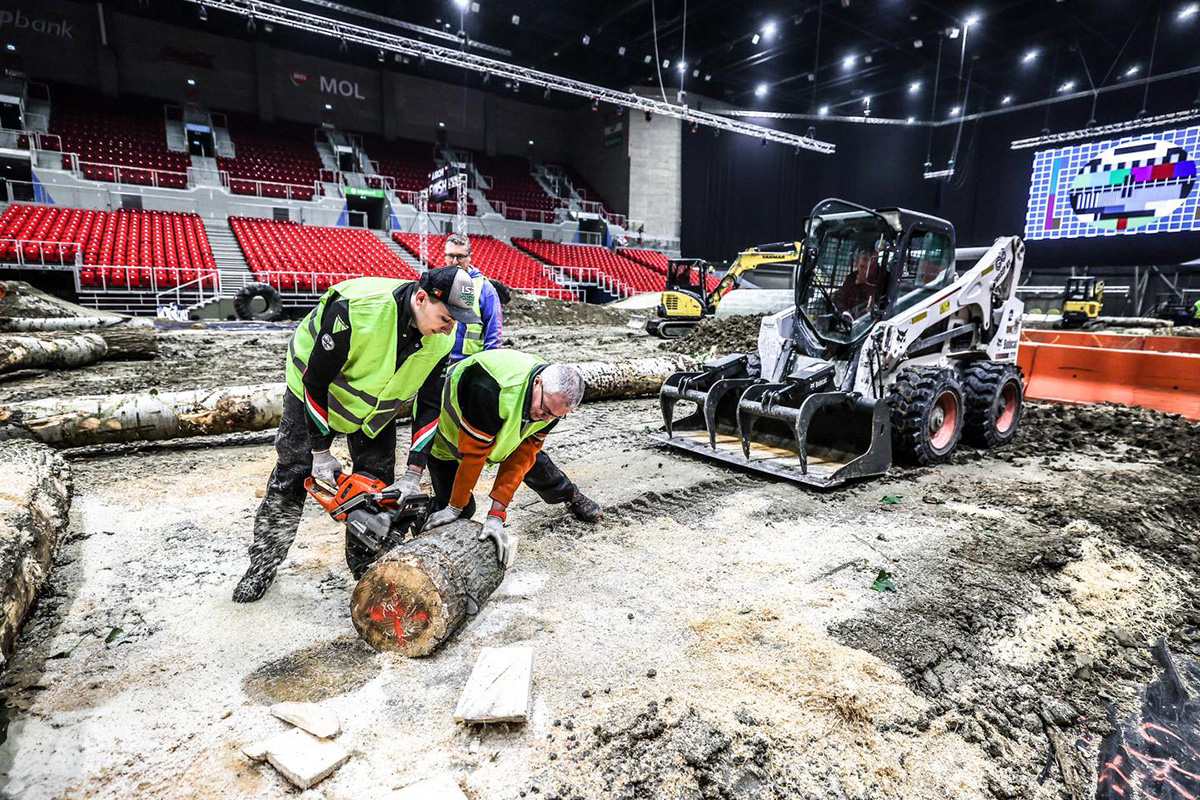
{"x":687,"y":300}
{"x":887,"y":352}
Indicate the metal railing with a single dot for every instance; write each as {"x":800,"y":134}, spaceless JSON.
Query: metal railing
{"x":25,"y":139}
{"x":606,"y":282}
{"x":144,"y":280}
{"x":35,"y":254}
{"x":287,"y":191}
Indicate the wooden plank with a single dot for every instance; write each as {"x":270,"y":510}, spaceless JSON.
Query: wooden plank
{"x":500,"y":687}
{"x":441,"y":787}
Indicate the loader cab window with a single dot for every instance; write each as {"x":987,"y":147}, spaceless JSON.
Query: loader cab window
{"x":844,"y":275}
{"x":928,"y":261}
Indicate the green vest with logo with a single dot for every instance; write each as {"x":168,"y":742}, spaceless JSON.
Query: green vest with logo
{"x":511,"y":370}
{"x":1195,"y":310}
{"x":473,"y":339}
{"x":369,"y":390}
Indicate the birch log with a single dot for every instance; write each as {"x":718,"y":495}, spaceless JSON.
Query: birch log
{"x":55,"y":351}
{"x":26,"y":324}
{"x":76,"y":421}
{"x":33,"y":516}
{"x":415,"y":597}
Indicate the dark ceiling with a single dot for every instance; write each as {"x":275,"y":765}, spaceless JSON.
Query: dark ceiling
{"x":826,"y":53}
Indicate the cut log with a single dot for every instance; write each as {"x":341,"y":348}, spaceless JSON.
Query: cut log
{"x":34,"y":502}
{"x":416,"y":596}
{"x":72,"y":422}
{"x":638,"y":377}
{"x":53,"y":350}
{"x":26,"y":324}
{"x":130,"y":341}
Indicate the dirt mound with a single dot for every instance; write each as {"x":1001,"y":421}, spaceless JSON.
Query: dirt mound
{"x":526,"y":309}
{"x":716,"y":337}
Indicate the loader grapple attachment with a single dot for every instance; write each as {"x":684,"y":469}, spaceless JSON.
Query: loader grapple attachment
{"x":800,"y":428}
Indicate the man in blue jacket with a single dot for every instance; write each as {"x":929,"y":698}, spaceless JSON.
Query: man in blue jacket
{"x":544,"y":477}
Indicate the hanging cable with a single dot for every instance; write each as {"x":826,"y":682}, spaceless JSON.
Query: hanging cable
{"x":1053,"y":79}
{"x":962,"y":113}
{"x":817,"y":56}
{"x":937,"y":74}
{"x":657,"y":58}
{"x":683,"y":55}
{"x":1150,"y":69}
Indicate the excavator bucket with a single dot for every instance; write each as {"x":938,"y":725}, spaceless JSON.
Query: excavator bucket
{"x":799,"y":428}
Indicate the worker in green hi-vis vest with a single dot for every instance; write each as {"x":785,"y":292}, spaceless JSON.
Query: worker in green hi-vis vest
{"x":369,"y":346}
{"x":1196,"y":312}
{"x":497,"y":407}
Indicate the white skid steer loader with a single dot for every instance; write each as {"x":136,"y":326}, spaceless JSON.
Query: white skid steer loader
{"x":887,"y":351}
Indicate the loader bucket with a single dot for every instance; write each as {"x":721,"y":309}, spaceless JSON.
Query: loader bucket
{"x":823,"y":440}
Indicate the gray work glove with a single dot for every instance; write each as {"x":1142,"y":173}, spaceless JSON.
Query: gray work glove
{"x":444,"y":517}
{"x":407,"y":486}
{"x":325,"y":467}
{"x":493,"y":528}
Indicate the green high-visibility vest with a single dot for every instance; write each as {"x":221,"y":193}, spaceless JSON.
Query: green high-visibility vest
{"x":369,"y":390}
{"x":511,"y":370}
{"x":1196,"y":310}
{"x":473,"y":339}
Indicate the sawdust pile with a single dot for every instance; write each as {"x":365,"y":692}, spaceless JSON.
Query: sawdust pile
{"x":529,"y":309}
{"x":716,"y":337}
{"x":778,"y":710}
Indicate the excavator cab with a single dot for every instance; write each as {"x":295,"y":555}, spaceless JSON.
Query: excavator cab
{"x":1083,"y":298}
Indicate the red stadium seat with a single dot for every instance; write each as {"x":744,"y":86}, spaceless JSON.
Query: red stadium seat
{"x":494,"y":259}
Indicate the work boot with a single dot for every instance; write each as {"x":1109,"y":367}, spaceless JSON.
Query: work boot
{"x":584,"y":508}
{"x":254,"y":584}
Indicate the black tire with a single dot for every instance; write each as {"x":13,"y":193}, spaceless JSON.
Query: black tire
{"x":243,"y":302}
{"x":995,"y":400}
{"x":503,"y":293}
{"x":924,"y":401}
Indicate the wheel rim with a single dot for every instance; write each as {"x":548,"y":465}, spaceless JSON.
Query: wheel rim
{"x":943,"y":421}
{"x":1006,"y":417}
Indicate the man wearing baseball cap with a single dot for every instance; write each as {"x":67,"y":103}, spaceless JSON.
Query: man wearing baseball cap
{"x":370,"y":345}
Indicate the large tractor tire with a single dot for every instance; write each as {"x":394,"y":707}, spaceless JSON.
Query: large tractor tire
{"x":995,"y":400}
{"x":927,"y":415}
{"x":243,"y":302}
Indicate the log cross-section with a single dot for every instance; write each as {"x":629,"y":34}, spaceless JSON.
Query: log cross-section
{"x":416,"y":596}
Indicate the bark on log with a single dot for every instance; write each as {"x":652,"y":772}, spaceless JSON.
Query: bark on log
{"x":77,"y":421}
{"x":638,"y":377}
{"x":130,"y":341}
{"x":26,"y":324}
{"x":56,"y":351}
{"x":34,"y":502}
{"x":416,"y":596}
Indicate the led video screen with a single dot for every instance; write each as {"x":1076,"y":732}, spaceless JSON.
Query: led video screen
{"x":1138,"y":184}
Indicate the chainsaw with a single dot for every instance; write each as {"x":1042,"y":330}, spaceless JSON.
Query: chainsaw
{"x":376,"y":520}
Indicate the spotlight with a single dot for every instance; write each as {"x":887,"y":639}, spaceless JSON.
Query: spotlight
{"x":666,"y":63}
{"x":1190,"y":10}
{"x":707,"y":78}
{"x":911,"y":120}
{"x":441,"y":124}
{"x":681,"y":66}
{"x":487,"y":78}
{"x":760,"y":90}
{"x":586,"y":40}
{"x":754,"y":39}
{"x":531,"y":142}
{"x":342,"y":46}
{"x":646,"y":60}
{"x":695,"y":126}
{"x":914,"y":87}
{"x":1134,"y":70}
{"x":10,"y":47}
{"x":848,"y":62}
{"x":1029,"y":56}
{"x":203,"y":14}
{"x":546,"y":94}
{"x":695,"y":73}
{"x":1066,"y":87}
{"x":954,"y":112}
{"x":251,"y":26}
{"x":191,"y":81}
{"x":516,"y":86}
{"x":971,"y":20}
{"x":621,"y":50}
{"x":328,"y":107}
{"x":379,"y":56}
{"x":462,"y":4}
{"x":768,"y":30}
{"x":516,"y":19}
{"x":1006,"y":100}
{"x":823,"y":111}
{"x":648,"y":115}
{"x":595,"y":104}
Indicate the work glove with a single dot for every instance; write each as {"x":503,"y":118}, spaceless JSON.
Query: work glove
{"x":325,"y":467}
{"x":493,"y":528}
{"x":444,"y":517}
{"x":406,"y":487}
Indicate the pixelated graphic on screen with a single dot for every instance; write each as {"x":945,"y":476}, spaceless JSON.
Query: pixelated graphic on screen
{"x":1139,"y":184}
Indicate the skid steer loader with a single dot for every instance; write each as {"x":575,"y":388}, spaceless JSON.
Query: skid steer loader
{"x":887,"y":352}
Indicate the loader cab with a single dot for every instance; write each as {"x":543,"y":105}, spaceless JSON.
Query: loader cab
{"x":688,"y":275}
{"x":925,"y":264}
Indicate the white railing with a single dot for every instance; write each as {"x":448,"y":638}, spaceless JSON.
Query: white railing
{"x":303,"y":280}
{"x":25,"y":139}
{"x":288,"y":191}
{"x":31,"y":253}
{"x":143,"y":280}
{"x":193,"y":293}
{"x":606,"y":282}
{"x":533,"y":215}
{"x":132,"y":176}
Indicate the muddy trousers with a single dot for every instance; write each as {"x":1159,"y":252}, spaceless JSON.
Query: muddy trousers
{"x":544,"y":477}
{"x":278,"y":516}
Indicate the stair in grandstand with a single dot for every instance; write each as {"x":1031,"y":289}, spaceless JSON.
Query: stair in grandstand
{"x":401,"y":253}
{"x":231,"y":264}
{"x":205,"y":172}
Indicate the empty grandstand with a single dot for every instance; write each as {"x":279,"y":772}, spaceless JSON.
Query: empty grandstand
{"x":592,"y":263}
{"x":496,"y":260}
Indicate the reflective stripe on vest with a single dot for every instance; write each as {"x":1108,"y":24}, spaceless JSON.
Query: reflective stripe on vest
{"x":473,"y":336}
{"x":370,"y":389}
{"x":511,"y":370}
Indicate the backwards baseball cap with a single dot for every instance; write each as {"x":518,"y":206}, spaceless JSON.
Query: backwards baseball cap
{"x":455,"y":288}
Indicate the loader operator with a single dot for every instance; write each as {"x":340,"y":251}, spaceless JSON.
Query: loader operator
{"x":857,"y":293}
{"x":370,"y":344}
{"x":544,"y":476}
{"x":497,"y":407}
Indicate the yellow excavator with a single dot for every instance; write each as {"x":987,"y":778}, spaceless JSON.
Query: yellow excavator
{"x":686,"y":300}
{"x":1083,"y":299}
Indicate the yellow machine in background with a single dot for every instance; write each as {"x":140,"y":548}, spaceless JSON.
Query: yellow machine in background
{"x":686,"y":300}
{"x":1083,"y":299}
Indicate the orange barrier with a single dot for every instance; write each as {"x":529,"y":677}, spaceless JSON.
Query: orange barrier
{"x":1115,"y":341}
{"x":1133,"y":377}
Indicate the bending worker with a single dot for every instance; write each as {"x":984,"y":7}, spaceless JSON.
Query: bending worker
{"x":544,"y":476}
{"x":497,"y":407}
{"x":369,"y":345}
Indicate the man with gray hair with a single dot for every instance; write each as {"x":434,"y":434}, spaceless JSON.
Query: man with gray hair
{"x":497,"y":407}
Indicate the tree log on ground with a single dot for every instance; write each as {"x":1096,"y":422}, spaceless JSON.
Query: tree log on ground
{"x":26,"y":324}
{"x":417,"y":595}
{"x":76,"y":421}
{"x":130,"y":341}
{"x":56,"y":351}
{"x":34,"y":506}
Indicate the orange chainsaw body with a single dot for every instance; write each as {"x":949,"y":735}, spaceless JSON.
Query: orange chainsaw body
{"x":352,"y":490}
